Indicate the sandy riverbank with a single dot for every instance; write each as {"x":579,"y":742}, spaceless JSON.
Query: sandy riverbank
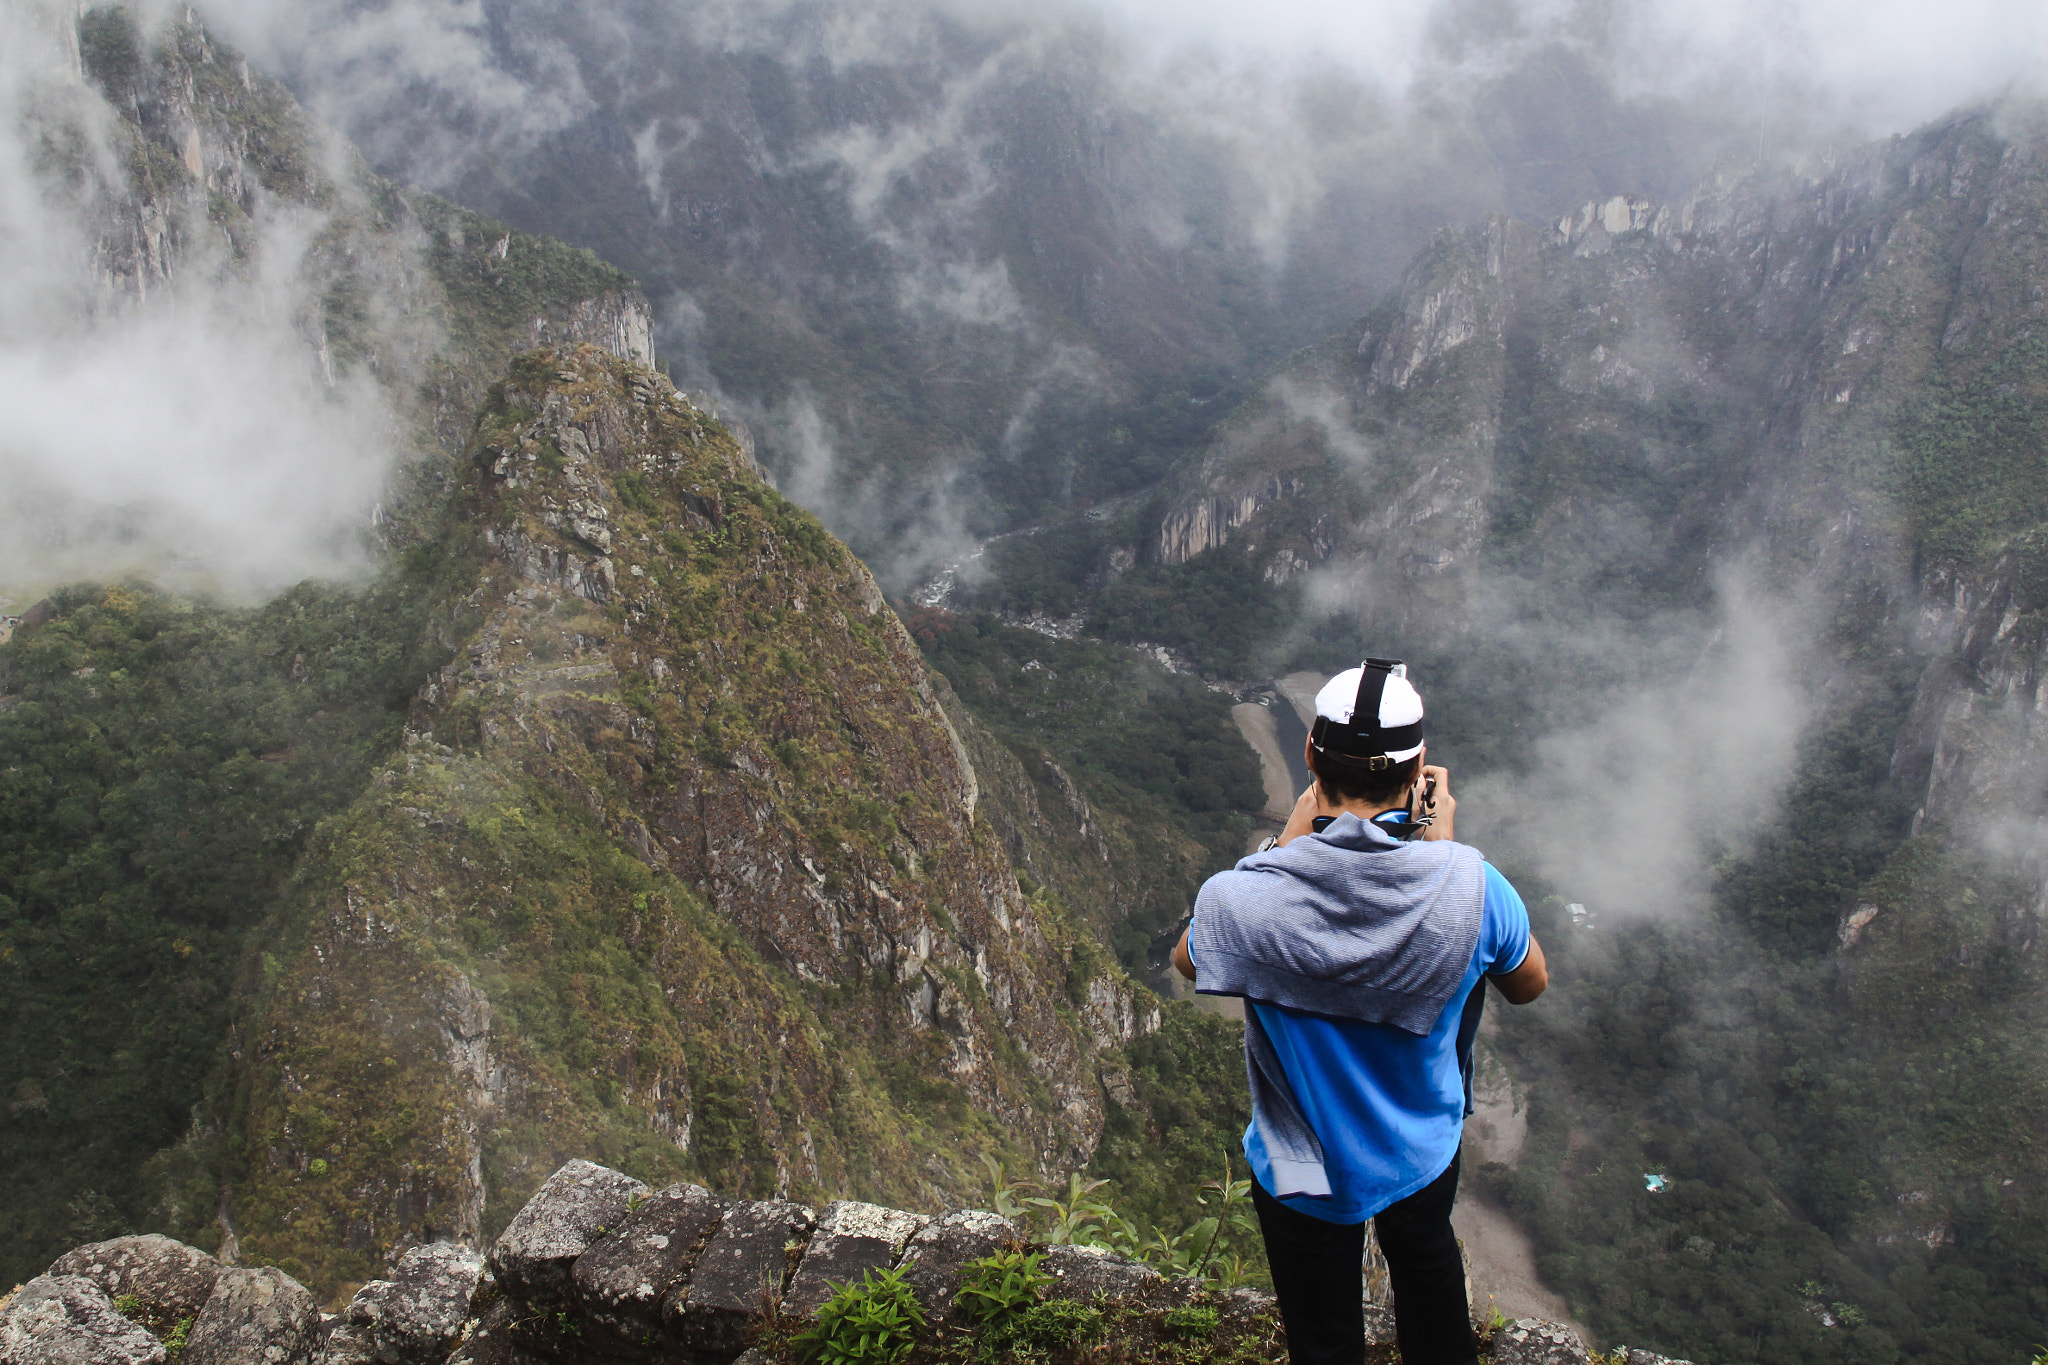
{"x":1255,"y":723}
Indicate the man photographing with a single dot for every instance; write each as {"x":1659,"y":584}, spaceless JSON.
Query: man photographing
{"x":1359,"y":950}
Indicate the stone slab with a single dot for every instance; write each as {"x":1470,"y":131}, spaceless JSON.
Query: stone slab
{"x":69,"y":1320}
{"x":1531,"y":1341}
{"x":172,"y":1280}
{"x":621,"y":1282}
{"x":491,"y":1340}
{"x":1638,"y":1356}
{"x":1245,"y":1303}
{"x":938,"y":1255}
{"x":412,"y":1318}
{"x":852,"y":1239}
{"x":739,"y":1277}
{"x":255,"y":1317}
{"x":536,"y":1254}
{"x":1082,"y":1272}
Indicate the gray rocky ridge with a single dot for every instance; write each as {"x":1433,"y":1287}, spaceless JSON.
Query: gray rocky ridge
{"x":595,"y":1268}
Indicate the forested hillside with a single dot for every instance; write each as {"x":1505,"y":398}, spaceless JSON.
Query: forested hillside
{"x":167,"y":759}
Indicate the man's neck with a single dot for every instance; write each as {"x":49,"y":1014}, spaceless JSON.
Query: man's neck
{"x":1364,"y":810}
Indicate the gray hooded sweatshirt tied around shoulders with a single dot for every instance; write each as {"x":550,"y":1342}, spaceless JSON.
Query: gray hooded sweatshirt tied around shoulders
{"x":1351,"y":924}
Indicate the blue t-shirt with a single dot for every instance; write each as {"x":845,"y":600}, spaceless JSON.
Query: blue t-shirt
{"x":1387,"y":1106}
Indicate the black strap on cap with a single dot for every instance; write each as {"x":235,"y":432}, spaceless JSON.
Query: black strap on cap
{"x":1364,"y":742}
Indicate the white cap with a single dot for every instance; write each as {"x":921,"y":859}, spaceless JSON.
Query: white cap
{"x":1400,"y":703}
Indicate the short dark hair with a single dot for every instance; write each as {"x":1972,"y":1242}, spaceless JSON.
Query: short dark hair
{"x":1343,"y":781}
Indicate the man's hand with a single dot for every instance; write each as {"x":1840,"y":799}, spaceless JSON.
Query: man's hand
{"x":1182,"y":962}
{"x":1441,"y":802}
{"x":1302,"y":820}
{"x":1527,"y":981}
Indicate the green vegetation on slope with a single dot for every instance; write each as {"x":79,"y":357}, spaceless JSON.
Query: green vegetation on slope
{"x":1154,"y":752}
{"x":1972,"y":452}
{"x":163,"y":763}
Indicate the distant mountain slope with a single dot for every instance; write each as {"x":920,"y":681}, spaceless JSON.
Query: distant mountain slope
{"x":966,"y":269}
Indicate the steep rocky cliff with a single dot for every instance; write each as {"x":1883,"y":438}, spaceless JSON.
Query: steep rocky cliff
{"x":217,"y":174}
{"x":1636,"y":388}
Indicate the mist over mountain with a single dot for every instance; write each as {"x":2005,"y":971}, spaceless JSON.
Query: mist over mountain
{"x":965,"y":267}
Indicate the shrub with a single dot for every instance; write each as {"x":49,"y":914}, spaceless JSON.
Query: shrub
{"x":999,"y":1286}
{"x":869,"y":1323}
{"x":1035,"y":1331}
{"x":1193,"y":1322}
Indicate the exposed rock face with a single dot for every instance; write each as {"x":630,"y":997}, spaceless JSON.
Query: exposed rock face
{"x":1082,"y":1272}
{"x":172,"y":1280}
{"x":667,"y":666}
{"x":739,"y":1279}
{"x":622,"y":1281}
{"x":412,"y":1318}
{"x":255,"y":1317}
{"x":68,"y":1320}
{"x":852,"y":1239}
{"x":1526,"y":1341}
{"x":577,"y":1205}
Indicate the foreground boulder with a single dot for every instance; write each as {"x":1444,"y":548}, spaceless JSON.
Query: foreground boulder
{"x":413,"y":1318}
{"x":622,"y":1281}
{"x":171,"y":1280}
{"x":576,"y":1206}
{"x":1082,"y":1272}
{"x":69,"y":1320}
{"x":738,"y":1281}
{"x":938,"y":1255}
{"x":852,"y":1239}
{"x":255,"y":1317}
{"x":1526,"y":1341}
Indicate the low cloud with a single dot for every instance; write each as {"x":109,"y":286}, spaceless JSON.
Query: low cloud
{"x":1674,"y":744}
{"x":176,"y":423}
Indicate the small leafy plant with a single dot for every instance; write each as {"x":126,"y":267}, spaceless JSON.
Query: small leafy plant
{"x":1081,"y":1217}
{"x":999,"y":1286}
{"x":1193,"y":1321}
{"x":868,"y":1323}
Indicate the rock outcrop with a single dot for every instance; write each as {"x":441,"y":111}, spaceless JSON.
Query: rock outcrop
{"x":553,"y":1292}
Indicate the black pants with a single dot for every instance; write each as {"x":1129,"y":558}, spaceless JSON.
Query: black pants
{"x":1318,"y":1276}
